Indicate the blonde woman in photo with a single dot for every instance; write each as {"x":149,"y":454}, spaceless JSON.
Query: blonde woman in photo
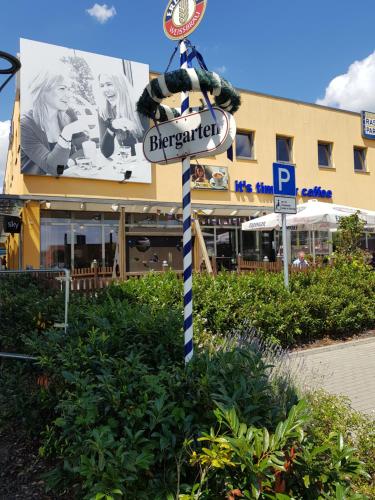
{"x":118,"y":118}
{"x":52,"y":135}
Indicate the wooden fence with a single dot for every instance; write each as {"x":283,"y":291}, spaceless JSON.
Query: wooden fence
{"x":88,"y":279}
{"x":273,"y":267}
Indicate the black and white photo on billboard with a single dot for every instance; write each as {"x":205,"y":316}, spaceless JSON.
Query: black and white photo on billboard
{"x":78,"y":114}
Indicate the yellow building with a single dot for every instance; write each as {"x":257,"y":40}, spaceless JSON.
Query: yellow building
{"x":68,"y":222}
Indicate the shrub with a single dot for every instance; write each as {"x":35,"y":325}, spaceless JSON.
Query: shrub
{"x":122,"y":402}
{"x":331,"y":413}
{"x":241,"y":460}
{"x":117,"y":404}
{"x":328,"y":301}
{"x":27,"y":303}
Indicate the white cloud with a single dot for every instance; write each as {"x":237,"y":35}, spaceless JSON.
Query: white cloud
{"x":4,"y":143}
{"x":102,"y":13}
{"x":354,"y":90}
{"x":220,"y":69}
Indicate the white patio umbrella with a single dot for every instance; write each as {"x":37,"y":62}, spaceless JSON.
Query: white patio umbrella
{"x":315,"y":215}
{"x":319,"y":215}
{"x":265,"y":223}
{"x":312,"y":215}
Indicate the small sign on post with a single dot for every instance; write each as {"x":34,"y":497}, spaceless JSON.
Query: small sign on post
{"x":284,"y":204}
{"x":284,"y":199}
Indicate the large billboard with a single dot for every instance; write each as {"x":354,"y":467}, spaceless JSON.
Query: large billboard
{"x":78,"y":114}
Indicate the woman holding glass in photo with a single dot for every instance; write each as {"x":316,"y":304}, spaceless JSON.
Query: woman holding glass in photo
{"x":52,"y":134}
{"x":118,"y":118}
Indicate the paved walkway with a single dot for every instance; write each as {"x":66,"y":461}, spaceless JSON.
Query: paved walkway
{"x":347,"y":368}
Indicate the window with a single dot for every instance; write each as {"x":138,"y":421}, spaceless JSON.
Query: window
{"x":283,"y":149}
{"x":324,"y":154}
{"x":359,"y":159}
{"x":245,"y":145}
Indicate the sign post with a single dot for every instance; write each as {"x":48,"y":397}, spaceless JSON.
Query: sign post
{"x":186,"y":239}
{"x":180,"y":19}
{"x":284,"y":199}
{"x":182,"y":135}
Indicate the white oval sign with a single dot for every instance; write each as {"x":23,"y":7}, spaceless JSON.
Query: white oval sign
{"x":182,"y":17}
{"x":193,"y":135}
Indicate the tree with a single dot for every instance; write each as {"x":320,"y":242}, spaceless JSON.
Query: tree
{"x":348,"y":237}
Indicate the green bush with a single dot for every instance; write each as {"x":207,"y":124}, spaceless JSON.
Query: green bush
{"x":27,"y":303}
{"x":117,"y":405}
{"x":333,"y":414}
{"x":123,"y":404}
{"x":328,"y":301}
{"x":250,"y":462}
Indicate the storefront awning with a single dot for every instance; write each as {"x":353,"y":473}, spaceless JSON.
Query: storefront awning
{"x":138,"y":206}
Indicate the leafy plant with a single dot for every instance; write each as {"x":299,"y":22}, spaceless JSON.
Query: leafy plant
{"x":250,"y":462}
{"x":348,"y":239}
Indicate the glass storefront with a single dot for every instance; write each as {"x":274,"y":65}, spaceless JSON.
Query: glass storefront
{"x":75,"y":239}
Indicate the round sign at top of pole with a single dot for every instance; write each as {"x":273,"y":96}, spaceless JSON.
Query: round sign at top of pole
{"x":181,"y":17}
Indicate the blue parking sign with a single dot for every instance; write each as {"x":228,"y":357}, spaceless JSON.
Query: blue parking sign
{"x":284,"y":179}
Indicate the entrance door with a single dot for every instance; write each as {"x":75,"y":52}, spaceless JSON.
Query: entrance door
{"x":226,"y":248}
{"x":267,"y":245}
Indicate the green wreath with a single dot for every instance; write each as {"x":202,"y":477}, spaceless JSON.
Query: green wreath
{"x":185,"y":80}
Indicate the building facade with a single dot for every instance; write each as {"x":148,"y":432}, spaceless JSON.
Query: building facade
{"x":69,"y":222}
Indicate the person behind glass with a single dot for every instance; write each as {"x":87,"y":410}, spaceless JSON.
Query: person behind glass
{"x":118,"y":118}
{"x":52,"y":135}
{"x":301,"y":261}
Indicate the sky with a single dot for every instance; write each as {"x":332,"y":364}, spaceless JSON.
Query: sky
{"x":314,"y":51}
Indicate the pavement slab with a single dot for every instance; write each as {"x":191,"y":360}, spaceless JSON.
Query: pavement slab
{"x":346,"y":368}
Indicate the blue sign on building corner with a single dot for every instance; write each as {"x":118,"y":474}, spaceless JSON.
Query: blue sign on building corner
{"x":368,"y":125}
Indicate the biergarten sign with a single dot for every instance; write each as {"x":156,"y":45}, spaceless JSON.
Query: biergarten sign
{"x":182,"y":17}
{"x":194,"y":135}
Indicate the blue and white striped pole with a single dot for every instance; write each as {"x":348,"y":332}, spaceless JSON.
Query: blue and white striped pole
{"x":187,"y":247}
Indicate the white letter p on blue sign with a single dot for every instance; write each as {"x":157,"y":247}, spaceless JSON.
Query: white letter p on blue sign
{"x":284,"y":179}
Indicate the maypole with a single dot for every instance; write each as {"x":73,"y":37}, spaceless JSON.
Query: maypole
{"x":187,"y":244}
{"x":182,"y":134}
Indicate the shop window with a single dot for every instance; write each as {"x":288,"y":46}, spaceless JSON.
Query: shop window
{"x":324,"y":154}
{"x":110,"y":241}
{"x":250,"y":245}
{"x":245,"y":145}
{"x":55,"y":245}
{"x":87,"y":245}
{"x":147,"y":253}
{"x":113,"y":216}
{"x":144,"y":219}
{"x":284,"y":149}
{"x":359,"y":159}
{"x":87,"y":217}
{"x":55,"y":216}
